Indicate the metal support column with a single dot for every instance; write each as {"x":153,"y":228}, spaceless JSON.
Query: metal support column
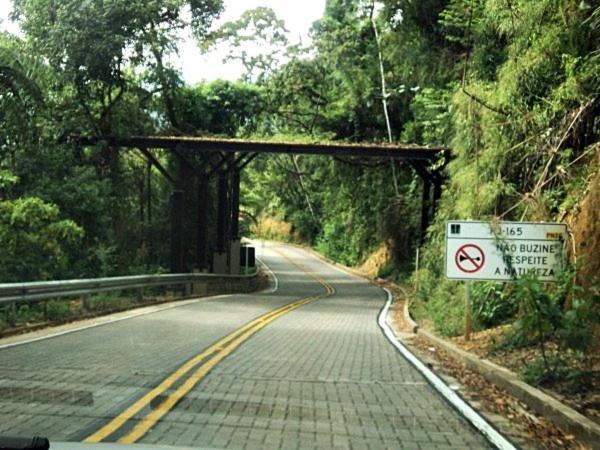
{"x":202,"y":223}
{"x":223,"y":215}
{"x":177,"y":231}
{"x":235,"y":205}
{"x":149,"y":191}
{"x":234,"y":230}
{"x":222,"y":212}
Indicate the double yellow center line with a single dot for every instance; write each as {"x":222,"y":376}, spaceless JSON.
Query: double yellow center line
{"x":199,"y":366}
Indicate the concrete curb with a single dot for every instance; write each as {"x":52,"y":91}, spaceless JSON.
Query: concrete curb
{"x":562,"y":415}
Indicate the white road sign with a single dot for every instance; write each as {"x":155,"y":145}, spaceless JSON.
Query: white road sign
{"x":503,"y":251}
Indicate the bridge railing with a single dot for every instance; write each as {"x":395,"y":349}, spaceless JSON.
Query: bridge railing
{"x":192,"y":283}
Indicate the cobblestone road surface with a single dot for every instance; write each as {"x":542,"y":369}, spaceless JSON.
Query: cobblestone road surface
{"x":322,"y":376}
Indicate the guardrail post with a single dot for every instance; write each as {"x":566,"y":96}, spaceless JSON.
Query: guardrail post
{"x":140,"y":294}
{"x":87,"y":303}
{"x":11,"y":313}
{"x":45,"y":309}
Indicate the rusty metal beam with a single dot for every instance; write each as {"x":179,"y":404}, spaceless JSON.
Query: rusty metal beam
{"x":251,"y":158}
{"x":156,"y":163}
{"x":404,"y":151}
{"x":225,"y":159}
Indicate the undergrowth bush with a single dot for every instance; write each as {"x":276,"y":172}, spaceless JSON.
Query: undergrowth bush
{"x":273,"y":229}
{"x":572,"y":378}
{"x":441,"y":302}
{"x":523,"y":134}
{"x":558,"y":313}
{"x":28,"y":313}
{"x":57,"y":310}
{"x":108,"y":302}
{"x":492,"y":304}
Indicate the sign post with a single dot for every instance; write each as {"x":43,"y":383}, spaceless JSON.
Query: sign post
{"x":502,"y":251}
{"x":468,"y":326}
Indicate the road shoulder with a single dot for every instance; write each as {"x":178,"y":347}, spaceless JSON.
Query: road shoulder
{"x":80,"y":325}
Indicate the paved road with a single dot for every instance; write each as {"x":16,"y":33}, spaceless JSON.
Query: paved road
{"x":320,"y":376}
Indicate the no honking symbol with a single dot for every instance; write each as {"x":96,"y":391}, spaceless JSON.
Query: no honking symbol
{"x":469,"y":258}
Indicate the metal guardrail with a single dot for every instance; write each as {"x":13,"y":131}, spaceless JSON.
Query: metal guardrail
{"x":12,"y":293}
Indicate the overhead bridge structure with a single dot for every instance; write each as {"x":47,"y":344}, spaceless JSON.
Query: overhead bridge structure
{"x":197,"y":161}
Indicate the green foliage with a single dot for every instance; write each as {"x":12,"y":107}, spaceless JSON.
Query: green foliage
{"x":560,"y":314}
{"x":515,"y":125}
{"x":441,"y":302}
{"x":95,"y":68}
{"x":25,"y":313}
{"x":511,"y":87}
{"x":7,"y":181}
{"x":220,"y":107}
{"x":537,"y":373}
{"x":577,"y":328}
{"x":57,"y":310}
{"x":333,"y":243}
{"x":34,"y":240}
{"x":431,"y":118}
{"x":258,"y":39}
{"x":492,"y":304}
{"x":109,"y":302}
{"x":540,"y":312}
{"x":571,"y":379}
{"x":15,"y":77}
{"x":301,"y":98}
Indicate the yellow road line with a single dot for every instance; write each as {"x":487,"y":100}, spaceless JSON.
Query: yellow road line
{"x":219,"y":350}
{"x":330,"y":290}
{"x":122,"y":418}
{"x":151,"y":419}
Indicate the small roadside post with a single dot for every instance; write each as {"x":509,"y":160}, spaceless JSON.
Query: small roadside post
{"x":502,"y":251}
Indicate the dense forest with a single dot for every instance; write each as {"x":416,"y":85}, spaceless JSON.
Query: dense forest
{"x":510,"y":86}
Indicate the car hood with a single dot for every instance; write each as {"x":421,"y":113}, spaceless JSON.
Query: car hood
{"x":115,"y":446}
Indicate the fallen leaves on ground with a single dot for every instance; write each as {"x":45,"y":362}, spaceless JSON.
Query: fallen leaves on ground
{"x":485,"y":345}
{"x":532,"y":430}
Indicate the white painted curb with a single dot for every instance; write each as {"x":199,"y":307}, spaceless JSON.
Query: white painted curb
{"x":275,"y":288}
{"x":490,"y":433}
